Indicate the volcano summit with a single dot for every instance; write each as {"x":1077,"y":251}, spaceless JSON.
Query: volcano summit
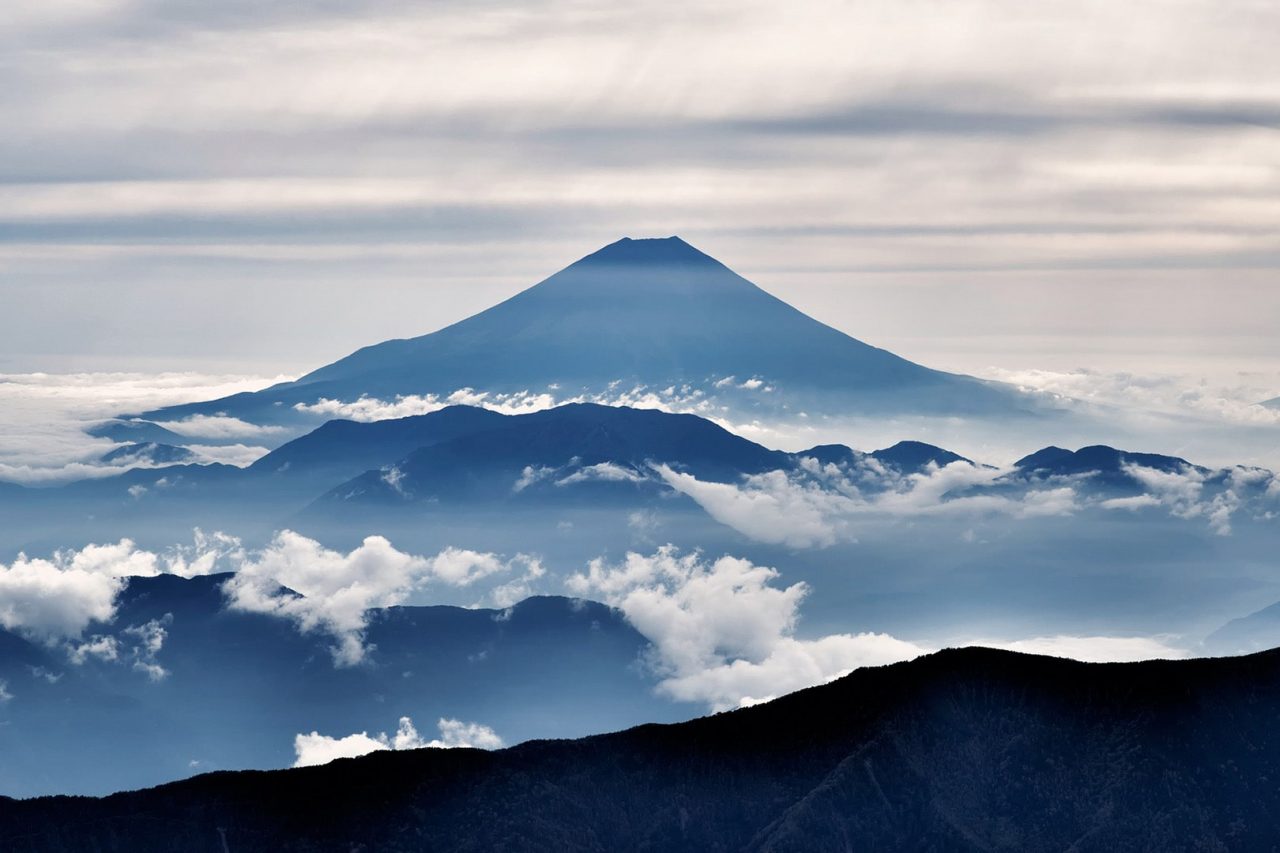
{"x":653,"y":313}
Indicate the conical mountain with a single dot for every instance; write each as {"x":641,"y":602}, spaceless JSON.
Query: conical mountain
{"x":654,"y":312}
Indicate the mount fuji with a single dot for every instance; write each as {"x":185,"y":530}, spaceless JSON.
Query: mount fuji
{"x":648,"y":312}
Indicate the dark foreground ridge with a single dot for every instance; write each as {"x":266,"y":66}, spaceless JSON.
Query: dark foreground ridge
{"x":972,"y":749}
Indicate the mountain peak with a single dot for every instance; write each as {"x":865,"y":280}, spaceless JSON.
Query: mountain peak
{"x":648,"y":251}
{"x":653,"y":312}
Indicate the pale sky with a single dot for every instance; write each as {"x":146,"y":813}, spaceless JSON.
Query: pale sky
{"x":972,"y":183}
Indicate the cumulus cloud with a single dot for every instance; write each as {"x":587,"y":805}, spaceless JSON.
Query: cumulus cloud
{"x":314,"y":748}
{"x":55,"y":599}
{"x":324,"y":590}
{"x":5,"y":695}
{"x":102,"y":647}
{"x":722,"y":633}
{"x":330,"y":592}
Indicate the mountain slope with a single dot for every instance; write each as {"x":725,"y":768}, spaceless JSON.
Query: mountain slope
{"x":339,"y":450}
{"x":653,"y":312}
{"x":962,"y":750}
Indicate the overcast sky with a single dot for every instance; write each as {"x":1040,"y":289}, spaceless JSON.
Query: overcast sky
{"x":258,"y":186}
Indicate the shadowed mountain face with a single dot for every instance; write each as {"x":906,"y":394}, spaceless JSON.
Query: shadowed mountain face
{"x":963,"y":750}
{"x":653,"y":312}
{"x":546,"y":453}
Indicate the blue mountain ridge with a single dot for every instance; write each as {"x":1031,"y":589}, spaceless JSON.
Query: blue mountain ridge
{"x":241,"y":685}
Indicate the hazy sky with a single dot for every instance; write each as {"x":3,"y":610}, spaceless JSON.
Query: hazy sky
{"x":265,"y":186}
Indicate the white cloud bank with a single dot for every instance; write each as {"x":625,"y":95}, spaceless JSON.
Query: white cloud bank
{"x":314,"y":748}
{"x":1099,"y":649}
{"x":219,"y":426}
{"x":687,"y":398}
{"x":1150,"y":393}
{"x":815,"y":507}
{"x":42,"y":438}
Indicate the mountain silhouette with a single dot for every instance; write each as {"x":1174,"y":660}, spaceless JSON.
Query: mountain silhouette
{"x":965,"y":750}
{"x":1104,"y":466}
{"x":655,"y":312}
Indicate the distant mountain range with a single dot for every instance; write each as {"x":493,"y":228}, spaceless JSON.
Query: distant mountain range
{"x":1251,"y":633}
{"x":583,"y":454}
{"x":962,"y":750}
{"x":653,"y":312}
